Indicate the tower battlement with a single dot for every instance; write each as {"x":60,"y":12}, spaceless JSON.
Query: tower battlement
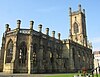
{"x":78,"y":26}
{"x":80,"y":10}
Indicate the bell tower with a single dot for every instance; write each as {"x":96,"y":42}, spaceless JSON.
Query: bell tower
{"x":78,"y":26}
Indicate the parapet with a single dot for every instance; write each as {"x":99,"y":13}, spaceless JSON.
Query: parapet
{"x":27,"y":31}
{"x":76,"y":12}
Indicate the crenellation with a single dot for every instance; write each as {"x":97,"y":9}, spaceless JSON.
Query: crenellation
{"x":26,"y":31}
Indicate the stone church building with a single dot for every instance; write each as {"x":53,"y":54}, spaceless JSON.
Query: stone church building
{"x":31,"y":51}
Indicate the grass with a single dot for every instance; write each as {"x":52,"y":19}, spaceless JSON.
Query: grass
{"x":65,"y":75}
{"x":61,"y":75}
{"x":98,"y":75}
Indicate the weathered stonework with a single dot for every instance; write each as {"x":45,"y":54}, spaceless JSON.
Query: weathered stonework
{"x":31,"y":51}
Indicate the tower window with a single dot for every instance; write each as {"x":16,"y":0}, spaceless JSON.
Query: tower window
{"x":76,"y":30}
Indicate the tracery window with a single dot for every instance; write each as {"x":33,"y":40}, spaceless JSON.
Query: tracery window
{"x":76,"y":29}
{"x":34,"y":54}
{"x":34,"y":58}
{"x":9,"y":52}
{"x":22,"y":53}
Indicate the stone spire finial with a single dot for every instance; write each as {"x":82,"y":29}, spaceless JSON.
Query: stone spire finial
{"x":59,"y":36}
{"x":40,"y":27}
{"x":18,"y":23}
{"x":31,"y":24}
{"x":53,"y":33}
{"x":79,"y":7}
{"x":84,"y":11}
{"x":47,"y":31}
{"x":7,"y":27}
{"x":3,"y":35}
{"x":70,"y":10}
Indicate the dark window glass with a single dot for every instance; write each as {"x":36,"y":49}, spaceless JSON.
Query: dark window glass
{"x":76,"y":29}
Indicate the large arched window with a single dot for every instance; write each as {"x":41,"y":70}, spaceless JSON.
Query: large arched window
{"x":76,"y":29}
{"x":34,"y":47}
{"x":83,"y":55}
{"x":51,"y":57}
{"x":9,"y":51}
{"x":22,"y":53}
{"x":34,"y":54}
{"x":73,"y":51}
{"x":74,"y":58}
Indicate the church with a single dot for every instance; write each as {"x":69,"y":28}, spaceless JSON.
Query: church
{"x":30,"y":51}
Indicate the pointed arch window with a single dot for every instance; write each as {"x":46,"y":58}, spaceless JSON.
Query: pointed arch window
{"x":74,"y":57}
{"x":73,"y":51}
{"x":22,"y":53}
{"x":76,"y":28}
{"x":9,"y":52}
{"x":34,"y":54}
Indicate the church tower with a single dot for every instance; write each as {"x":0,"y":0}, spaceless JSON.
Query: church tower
{"x":78,"y":26}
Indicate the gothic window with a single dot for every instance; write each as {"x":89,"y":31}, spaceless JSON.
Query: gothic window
{"x":83,"y":55}
{"x":74,"y":57}
{"x":51,"y":57}
{"x":9,"y":52}
{"x":34,"y":58}
{"x":35,"y":47}
{"x":34,"y":54}
{"x":76,"y":29}
{"x":58,"y":53}
{"x":79,"y":57}
{"x":22,"y":53}
{"x":73,"y":51}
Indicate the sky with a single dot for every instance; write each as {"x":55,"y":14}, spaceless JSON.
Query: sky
{"x":52,"y":14}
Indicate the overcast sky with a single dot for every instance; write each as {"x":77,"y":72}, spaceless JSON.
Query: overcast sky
{"x":53,"y":14}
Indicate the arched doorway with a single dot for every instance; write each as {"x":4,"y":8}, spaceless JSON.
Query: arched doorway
{"x":9,"y":51}
{"x":22,"y":57}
